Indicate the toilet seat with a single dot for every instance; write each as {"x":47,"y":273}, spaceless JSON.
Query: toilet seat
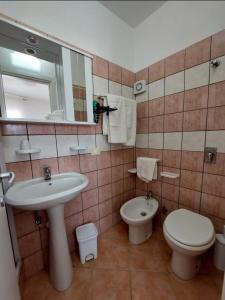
{"x":189,"y":229}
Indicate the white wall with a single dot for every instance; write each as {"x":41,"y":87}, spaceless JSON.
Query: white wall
{"x":174,"y":26}
{"x":86,"y":24}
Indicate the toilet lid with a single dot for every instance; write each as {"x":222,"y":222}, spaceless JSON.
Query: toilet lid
{"x":189,"y":228}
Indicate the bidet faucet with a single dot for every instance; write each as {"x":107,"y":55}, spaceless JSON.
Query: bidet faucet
{"x":47,"y":172}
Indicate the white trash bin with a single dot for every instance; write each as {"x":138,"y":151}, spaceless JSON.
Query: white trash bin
{"x":87,"y":240}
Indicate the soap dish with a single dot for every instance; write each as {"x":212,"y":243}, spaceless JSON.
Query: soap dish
{"x":27,"y":151}
{"x":132,"y":171}
{"x":169,"y":175}
{"x":77,"y":148}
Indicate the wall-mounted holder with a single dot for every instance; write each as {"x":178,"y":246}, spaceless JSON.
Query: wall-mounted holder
{"x":215,"y":63}
{"x":169,"y":175}
{"x":27,"y":151}
{"x":210,"y":154}
{"x":77,"y":148}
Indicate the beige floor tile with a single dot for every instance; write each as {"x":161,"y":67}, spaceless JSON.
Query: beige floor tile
{"x":201,"y":287}
{"x":149,"y":286}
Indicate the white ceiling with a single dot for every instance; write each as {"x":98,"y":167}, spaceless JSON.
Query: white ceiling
{"x":132,"y":12}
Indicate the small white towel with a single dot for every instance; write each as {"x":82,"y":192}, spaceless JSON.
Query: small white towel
{"x":131,"y":116}
{"x":147,"y":168}
{"x":114,"y":125}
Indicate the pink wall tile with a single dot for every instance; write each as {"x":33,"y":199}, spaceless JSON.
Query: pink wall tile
{"x":174,"y":63}
{"x":172,"y":158}
{"x":88,"y":163}
{"x":105,"y":208}
{"x":156,"y":71}
{"x":198,"y":53}
{"x":156,"y":107}
{"x":128,"y":78}
{"x":91,"y":214}
{"x":196,"y":98}
{"x":37,"y":166}
{"x":29,"y":244}
{"x":82,"y":129}
{"x":13,"y":129}
{"x":33,"y":264}
{"x":173,"y":122}
{"x":169,"y":205}
{"x":214,"y":185}
{"x":142,"y":109}
{"x":93,"y":180}
{"x":104,"y":192}
{"x":90,"y":198}
{"x":156,"y":188}
{"x":216,"y":94}
{"x":218,"y":44}
{"x":129,"y":183}
{"x":116,"y":218}
{"x":41,"y":129}
{"x":142,"y":75}
{"x":128,"y":155}
{"x":174,"y":103}
{"x":105,"y":223}
{"x":141,"y":185}
{"x":191,"y":180}
{"x":21,"y":169}
{"x":100,"y":67}
{"x":195,"y":120}
{"x":116,"y":157}
{"x":72,"y":207}
{"x":117,"y":188}
{"x":115,"y":73}
{"x":117,"y":173}
{"x":215,"y":118}
{"x":192,"y":161}
{"x":190,"y":198}
{"x":142,"y":125}
{"x":218,"y":167}
{"x":213,"y":205}
{"x":104,"y":176}
{"x":69,"y":163}
{"x":155,"y":153}
{"x":117,"y":202}
{"x":25,"y":223}
{"x":104,"y":160}
{"x":155,"y":124}
{"x":170,"y":192}
{"x":66,"y":129}
{"x":72,"y":222}
{"x":141,"y":152}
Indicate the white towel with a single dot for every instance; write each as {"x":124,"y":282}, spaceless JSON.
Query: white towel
{"x":131,"y":116}
{"x":114,"y":125}
{"x":147,"y":168}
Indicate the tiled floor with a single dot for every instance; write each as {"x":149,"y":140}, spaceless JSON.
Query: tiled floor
{"x":124,"y":271}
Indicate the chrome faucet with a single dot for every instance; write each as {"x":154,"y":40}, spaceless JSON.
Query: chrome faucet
{"x":148,"y":197}
{"x":47,"y":172}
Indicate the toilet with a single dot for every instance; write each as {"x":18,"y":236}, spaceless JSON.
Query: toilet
{"x":138,"y":214}
{"x":189,"y":235}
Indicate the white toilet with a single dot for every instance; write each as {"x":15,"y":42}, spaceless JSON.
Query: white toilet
{"x":189,"y":235}
{"x":138,"y":213}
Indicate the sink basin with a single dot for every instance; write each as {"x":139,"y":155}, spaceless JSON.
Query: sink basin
{"x":39,"y":194}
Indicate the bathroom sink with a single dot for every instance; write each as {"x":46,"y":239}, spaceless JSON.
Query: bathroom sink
{"x":39,"y":194}
{"x":52,"y":194}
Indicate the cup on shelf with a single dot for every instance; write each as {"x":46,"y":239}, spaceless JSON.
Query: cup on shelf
{"x":24,"y":144}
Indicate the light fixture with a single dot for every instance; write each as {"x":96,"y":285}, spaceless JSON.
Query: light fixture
{"x":30,"y":51}
{"x":25,"y":61}
{"x":32,"y":39}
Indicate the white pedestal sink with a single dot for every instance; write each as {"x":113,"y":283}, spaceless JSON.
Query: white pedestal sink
{"x":40,"y":194}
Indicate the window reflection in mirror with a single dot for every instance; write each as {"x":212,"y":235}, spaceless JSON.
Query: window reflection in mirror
{"x":78,"y":86}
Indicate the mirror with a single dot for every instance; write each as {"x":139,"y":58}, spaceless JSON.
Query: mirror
{"x":42,"y":80}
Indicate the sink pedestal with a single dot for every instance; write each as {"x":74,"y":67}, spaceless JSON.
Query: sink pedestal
{"x":60,"y":261}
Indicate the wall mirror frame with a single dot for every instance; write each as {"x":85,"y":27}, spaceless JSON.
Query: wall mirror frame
{"x":59,"y":90}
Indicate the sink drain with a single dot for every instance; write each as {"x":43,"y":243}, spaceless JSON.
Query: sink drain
{"x":143,"y":214}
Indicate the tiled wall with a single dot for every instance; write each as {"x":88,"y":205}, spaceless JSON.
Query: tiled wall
{"x":110,"y":185}
{"x":182,"y":112}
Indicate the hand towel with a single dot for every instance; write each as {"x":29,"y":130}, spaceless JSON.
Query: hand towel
{"x":147,"y":168}
{"x":131,"y":117}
